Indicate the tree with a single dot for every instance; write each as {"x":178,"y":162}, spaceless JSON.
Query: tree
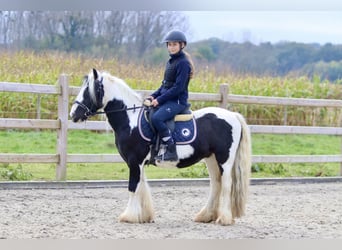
{"x":131,"y":33}
{"x":293,"y":57}
{"x":330,"y":53}
{"x":77,"y":30}
{"x":147,"y":29}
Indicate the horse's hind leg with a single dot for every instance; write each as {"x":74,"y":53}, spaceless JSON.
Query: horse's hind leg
{"x":209,"y":211}
{"x":224,"y":212}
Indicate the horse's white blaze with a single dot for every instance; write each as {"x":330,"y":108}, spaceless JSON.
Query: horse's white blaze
{"x":79,"y":98}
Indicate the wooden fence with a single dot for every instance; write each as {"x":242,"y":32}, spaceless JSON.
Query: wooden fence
{"x":62,"y":124}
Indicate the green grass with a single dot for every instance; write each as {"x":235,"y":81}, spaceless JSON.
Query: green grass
{"x":79,"y":141}
{"x":295,"y":145}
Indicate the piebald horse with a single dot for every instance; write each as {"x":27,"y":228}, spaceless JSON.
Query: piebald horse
{"x":223,"y":140}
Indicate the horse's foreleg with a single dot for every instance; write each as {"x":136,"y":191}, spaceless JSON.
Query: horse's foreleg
{"x":209,"y":212}
{"x":139,"y":208}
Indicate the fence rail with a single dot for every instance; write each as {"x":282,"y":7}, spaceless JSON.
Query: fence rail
{"x":110,"y":158}
{"x":62,"y":125}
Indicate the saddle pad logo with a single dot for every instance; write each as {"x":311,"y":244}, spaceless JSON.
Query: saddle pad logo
{"x":186,"y":132}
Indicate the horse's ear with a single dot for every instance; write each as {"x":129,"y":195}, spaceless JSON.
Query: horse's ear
{"x":95,"y":74}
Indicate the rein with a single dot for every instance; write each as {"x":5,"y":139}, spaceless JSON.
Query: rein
{"x":89,"y":113}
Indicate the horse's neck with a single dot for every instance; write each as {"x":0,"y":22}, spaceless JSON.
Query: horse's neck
{"x":119,"y":95}
{"x":121,"y":121}
{"x":116,"y":88}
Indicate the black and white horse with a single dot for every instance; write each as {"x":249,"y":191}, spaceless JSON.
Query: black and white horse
{"x":223,"y":141}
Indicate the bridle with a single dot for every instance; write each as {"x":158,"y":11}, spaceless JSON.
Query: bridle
{"x":90,"y":113}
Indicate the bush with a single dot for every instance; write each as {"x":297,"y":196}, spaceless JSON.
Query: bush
{"x":14,"y":173}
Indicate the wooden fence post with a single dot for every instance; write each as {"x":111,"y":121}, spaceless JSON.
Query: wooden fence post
{"x":62,"y":132}
{"x":341,"y":161}
{"x":38,"y":113}
{"x":341,"y":148}
{"x":224,"y":91}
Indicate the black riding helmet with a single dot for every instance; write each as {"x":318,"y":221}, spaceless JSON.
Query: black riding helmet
{"x":175,"y":36}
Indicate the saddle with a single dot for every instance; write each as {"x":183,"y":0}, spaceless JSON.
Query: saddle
{"x":182,"y":127}
{"x":183,"y":116}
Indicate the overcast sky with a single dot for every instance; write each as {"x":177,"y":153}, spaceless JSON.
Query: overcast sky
{"x":267,"y":26}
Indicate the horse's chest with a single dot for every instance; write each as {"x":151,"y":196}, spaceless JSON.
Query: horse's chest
{"x":129,"y":141}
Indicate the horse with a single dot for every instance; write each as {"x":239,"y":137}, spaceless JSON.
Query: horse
{"x":223,"y":141}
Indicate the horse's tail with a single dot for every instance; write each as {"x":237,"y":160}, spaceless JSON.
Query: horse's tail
{"x":241,"y":171}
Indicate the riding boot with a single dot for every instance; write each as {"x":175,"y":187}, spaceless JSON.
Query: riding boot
{"x":170,"y":153}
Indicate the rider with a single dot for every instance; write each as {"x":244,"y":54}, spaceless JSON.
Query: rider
{"x":172,"y":96}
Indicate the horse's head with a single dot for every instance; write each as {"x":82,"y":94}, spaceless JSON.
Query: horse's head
{"x":90,"y":97}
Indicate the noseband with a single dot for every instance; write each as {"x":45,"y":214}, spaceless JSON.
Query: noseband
{"x":88,"y":112}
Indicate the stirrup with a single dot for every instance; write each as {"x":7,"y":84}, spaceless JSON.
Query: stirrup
{"x":167,"y":156}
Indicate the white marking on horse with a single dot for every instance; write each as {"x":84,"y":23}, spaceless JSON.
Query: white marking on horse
{"x":184,"y":151}
{"x":121,"y":91}
{"x":79,"y":98}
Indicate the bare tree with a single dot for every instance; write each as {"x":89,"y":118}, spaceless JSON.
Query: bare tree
{"x":148,"y":28}
{"x":10,"y":23}
{"x":115,"y":24}
{"x":4,"y":27}
{"x":129,"y":32}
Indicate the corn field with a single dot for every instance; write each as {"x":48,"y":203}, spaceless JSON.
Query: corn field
{"x":45,"y":68}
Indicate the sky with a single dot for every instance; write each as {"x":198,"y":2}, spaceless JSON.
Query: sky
{"x":266,"y":26}
{"x":307,"y":21}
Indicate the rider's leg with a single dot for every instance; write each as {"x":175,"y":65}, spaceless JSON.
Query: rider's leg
{"x":170,"y":153}
{"x":166,"y":112}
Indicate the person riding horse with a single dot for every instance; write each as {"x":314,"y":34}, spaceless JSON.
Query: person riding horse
{"x":171,"y":97}
{"x":221,"y":139}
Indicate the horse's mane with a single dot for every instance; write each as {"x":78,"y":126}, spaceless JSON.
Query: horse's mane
{"x":118,"y":89}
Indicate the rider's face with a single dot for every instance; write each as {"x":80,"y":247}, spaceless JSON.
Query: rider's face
{"x":173,"y":47}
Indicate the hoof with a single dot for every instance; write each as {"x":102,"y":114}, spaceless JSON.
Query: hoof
{"x":127,"y":219}
{"x":225,"y":220}
{"x":204,"y":216}
{"x":135,"y":219}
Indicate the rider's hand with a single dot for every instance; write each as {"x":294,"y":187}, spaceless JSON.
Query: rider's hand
{"x":148,"y":101}
{"x":155,"y":103}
